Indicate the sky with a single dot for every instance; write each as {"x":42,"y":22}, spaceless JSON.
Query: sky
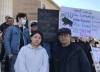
{"x":83,"y":4}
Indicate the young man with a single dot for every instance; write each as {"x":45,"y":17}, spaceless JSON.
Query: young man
{"x":68,"y":57}
{"x":34,"y":26}
{"x":16,"y":37}
{"x":8,"y":22}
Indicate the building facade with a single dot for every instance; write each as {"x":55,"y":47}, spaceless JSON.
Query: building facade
{"x":5,"y":9}
{"x":12,"y":7}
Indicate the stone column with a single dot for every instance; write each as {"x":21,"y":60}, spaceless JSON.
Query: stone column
{"x":6,"y":9}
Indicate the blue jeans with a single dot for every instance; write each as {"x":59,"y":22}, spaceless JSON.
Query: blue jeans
{"x":12,"y":62}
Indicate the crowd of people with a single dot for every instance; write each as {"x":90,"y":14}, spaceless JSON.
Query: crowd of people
{"x":23,"y":49}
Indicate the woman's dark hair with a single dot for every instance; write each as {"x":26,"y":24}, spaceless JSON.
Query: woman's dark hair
{"x":37,"y":32}
{"x":20,"y":15}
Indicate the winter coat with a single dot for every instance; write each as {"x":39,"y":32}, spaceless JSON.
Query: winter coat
{"x":69,"y":59}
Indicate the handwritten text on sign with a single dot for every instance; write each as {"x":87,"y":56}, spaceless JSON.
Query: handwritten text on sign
{"x":85,"y":22}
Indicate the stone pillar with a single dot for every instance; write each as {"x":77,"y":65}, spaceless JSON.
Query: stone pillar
{"x":6,"y":9}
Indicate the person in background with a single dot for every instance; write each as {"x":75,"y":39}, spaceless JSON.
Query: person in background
{"x":0,"y":47}
{"x":92,"y":42}
{"x":8,"y":22}
{"x":85,"y":45}
{"x":34,"y":26}
{"x":67,"y":56}
{"x":15,"y":37}
{"x":74,"y":39}
{"x":33,"y":57}
{"x":0,"y":43}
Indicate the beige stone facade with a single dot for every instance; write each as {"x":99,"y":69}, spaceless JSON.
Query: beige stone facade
{"x":49,"y":4}
{"x":27,"y":6}
{"x":5,"y":9}
{"x":12,"y":7}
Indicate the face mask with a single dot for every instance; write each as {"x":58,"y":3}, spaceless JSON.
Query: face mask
{"x":23,"y":21}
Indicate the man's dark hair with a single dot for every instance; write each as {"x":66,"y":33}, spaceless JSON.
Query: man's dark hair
{"x":6,"y":17}
{"x":20,"y":15}
{"x":10,"y":18}
{"x":34,"y":24}
{"x":64,"y":31}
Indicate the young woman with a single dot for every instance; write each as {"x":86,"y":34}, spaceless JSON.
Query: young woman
{"x":32,"y":57}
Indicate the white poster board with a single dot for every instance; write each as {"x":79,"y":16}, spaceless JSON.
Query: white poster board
{"x":96,"y":58}
{"x":85,"y":22}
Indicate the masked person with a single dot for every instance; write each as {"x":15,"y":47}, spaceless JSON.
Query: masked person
{"x":33,"y":57}
{"x":67,"y":56}
{"x":15,"y":37}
